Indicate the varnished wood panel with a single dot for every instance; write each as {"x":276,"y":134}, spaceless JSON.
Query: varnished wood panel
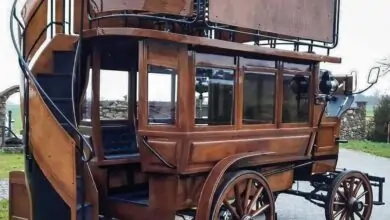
{"x":206,"y":42}
{"x":297,"y":18}
{"x":163,"y":53}
{"x":19,"y":202}
{"x":174,"y":7}
{"x":77,"y":6}
{"x":324,"y":166}
{"x":167,"y":150}
{"x":35,"y":17}
{"x":281,"y":181}
{"x":44,"y":65}
{"x":60,"y":15}
{"x":53,"y":149}
{"x":213,"y":151}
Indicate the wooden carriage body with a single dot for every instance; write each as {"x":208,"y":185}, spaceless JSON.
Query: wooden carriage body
{"x":229,"y":105}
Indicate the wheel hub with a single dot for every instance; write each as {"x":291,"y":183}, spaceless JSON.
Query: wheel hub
{"x":226,"y":215}
{"x":246,"y":217}
{"x":356,"y":205}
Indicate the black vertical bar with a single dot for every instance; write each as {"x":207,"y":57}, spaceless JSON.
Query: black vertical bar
{"x":9,"y":123}
{"x":70,"y":17}
{"x":52,"y":19}
{"x":63,"y":16}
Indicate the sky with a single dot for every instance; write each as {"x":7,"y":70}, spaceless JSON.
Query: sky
{"x":364,"y":34}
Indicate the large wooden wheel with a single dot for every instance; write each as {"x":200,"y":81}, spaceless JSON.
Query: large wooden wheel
{"x":350,"y":197}
{"x":244,"y":195}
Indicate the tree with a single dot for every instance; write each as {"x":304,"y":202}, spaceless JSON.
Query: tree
{"x":385,"y":65}
{"x":381,"y":119}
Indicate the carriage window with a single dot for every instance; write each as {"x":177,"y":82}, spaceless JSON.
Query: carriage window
{"x":295,"y":98}
{"x":214,"y":96}
{"x":162,"y":95}
{"x":259,"y":98}
{"x":114,"y":101}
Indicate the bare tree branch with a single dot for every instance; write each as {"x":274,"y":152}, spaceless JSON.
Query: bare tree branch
{"x":385,"y":65}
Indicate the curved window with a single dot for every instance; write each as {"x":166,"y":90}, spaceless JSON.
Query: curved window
{"x":259,"y":98}
{"x":214,"y":96}
{"x":162,"y":95}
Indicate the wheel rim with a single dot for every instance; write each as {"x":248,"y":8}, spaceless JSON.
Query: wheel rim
{"x":351,"y":198}
{"x":246,"y":196}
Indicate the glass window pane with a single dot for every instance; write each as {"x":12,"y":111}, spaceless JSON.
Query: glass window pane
{"x":114,"y":100}
{"x":162,"y":95}
{"x":214,"y":96}
{"x":259,"y":98}
{"x":87,"y":104}
{"x":295,"y":98}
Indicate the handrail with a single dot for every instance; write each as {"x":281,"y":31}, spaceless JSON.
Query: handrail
{"x":41,"y":34}
{"x":29,"y":75}
{"x":183,"y":20}
{"x":9,"y":130}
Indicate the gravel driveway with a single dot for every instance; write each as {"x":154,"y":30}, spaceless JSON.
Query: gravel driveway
{"x":296,"y":208}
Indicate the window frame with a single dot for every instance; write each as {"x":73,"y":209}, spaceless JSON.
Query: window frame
{"x":259,"y":70}
{"x":222,"y":62}
{"x":310,"y":73}
{"x":176,"y":87}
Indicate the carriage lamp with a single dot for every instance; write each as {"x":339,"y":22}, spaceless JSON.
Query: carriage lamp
{"x":328,"y":84}
{"x":299,"y":85}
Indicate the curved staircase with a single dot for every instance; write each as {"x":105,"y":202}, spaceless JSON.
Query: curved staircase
{"x":59,"y":181}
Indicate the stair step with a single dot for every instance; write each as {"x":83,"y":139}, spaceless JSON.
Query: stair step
{"x":63,"y":62}
{"x":139,"y":197}
{"x":56,"y":85}
{"x":65,"y":105}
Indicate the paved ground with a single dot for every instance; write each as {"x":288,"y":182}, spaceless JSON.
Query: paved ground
{"x":295,"y":208}
{"x":3,"y":189}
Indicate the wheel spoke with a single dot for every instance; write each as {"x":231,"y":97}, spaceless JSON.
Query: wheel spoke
{"x":343,"y":215}
{"x":351,"y":186}
{"x":254,"y":199}
{"x":358,"y":186}
{"x":352,"y":216}
{"x":338,"y":213}
{"x":342,"y":195}
{"x":247,"y":194}
{"x":231,"y":209}
{"x":338,"y":203}
{"x":248,"y":189}
{"x":346,"y":194}
{"x":361,"y":195}
{"x":260,"y":211}
{"x":238,"y":200}
{"x":359,"y":215}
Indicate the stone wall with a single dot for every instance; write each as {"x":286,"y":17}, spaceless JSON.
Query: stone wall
{"x":353,"y":122}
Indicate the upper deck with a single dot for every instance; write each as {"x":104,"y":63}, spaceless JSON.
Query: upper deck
{"x":298,"y":23}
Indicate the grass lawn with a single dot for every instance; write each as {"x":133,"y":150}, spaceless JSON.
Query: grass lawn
{"x":379,"y":149}
{"x":9,"y":162}
{"x":3,"y":209}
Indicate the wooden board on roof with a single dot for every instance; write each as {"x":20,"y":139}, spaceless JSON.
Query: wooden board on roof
{"x":306,"y":19}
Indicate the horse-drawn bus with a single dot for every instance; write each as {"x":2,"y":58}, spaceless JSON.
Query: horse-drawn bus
{"x":226,"y":107}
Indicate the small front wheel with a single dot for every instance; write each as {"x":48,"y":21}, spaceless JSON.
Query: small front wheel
{"x":245,"y":195}
{"x":349,"y":197}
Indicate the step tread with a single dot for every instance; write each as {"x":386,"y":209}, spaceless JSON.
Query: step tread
{"x":140,"y":197}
